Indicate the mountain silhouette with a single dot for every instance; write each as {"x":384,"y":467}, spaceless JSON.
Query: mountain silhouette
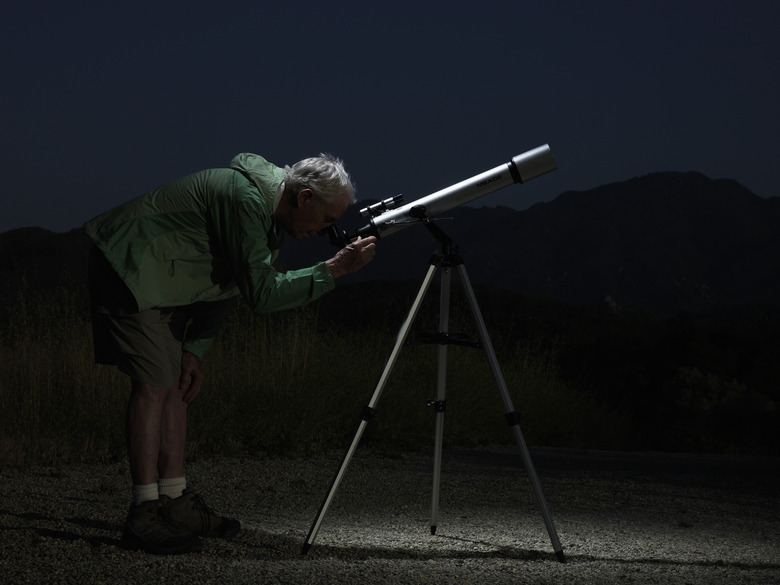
{"x":665,"y":242}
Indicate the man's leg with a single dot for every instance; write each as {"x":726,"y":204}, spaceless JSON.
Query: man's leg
{"x":173,"y":434}
{"x":156,"y":432}
{"x":181,"y":506}
{"x":151,"y":431}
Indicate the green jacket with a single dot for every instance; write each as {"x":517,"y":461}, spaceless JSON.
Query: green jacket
{"x":206,"y":238}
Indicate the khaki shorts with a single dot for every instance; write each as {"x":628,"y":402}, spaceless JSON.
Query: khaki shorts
{"x":145,"y":345}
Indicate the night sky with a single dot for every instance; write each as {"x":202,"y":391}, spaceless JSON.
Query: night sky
{"x":102,"y":101}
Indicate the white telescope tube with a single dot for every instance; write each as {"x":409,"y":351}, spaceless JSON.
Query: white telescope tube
{"x":520,"y":169}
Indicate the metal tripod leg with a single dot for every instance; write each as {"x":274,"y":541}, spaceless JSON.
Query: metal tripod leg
{"x":368,"y":411}
{"x":511,"y":414}
{"x":441,"y":386}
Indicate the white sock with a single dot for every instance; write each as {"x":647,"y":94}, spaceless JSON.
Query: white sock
{"x":173,"y":487}
{"x":144,"y":493}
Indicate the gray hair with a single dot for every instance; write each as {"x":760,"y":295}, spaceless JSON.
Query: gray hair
{"x":324,"y":174}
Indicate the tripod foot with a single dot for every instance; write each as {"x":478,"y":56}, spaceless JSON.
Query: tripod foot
{"x":433,"y":530}
{"x":306,"y":547}
{"x":560,"y":556}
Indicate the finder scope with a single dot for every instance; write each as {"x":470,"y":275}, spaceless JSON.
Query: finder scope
{"x":387,"y":218}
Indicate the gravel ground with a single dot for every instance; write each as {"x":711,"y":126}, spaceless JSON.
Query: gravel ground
{"x":621,"y":517}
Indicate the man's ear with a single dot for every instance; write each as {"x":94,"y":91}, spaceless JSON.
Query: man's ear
{"x":305,"y":196}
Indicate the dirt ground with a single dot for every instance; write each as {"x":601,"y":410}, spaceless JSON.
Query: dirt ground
{"x":620,"y":517}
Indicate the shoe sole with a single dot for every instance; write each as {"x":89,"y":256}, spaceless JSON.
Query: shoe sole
{"x":228,"y":531}
{"x":131,"y":541}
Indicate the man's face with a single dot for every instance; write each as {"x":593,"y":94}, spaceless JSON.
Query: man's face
{"x":313,"y":215}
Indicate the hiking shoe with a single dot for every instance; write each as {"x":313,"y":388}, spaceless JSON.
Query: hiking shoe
{"x":189,"y":512}
{"x":147,"y":529}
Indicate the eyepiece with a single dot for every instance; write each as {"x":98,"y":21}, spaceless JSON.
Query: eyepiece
{"x":382,"y":206}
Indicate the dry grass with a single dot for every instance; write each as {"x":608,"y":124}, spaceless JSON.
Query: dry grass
{"x":281,"y":383}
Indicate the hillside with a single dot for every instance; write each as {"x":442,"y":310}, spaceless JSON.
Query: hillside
{"x":665,"y":242}
{"x":686,"y":267}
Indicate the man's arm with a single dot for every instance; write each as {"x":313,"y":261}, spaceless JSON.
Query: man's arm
{"x":243,"y":223}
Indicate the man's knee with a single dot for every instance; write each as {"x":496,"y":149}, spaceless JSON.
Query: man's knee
{"x":148,"y":393}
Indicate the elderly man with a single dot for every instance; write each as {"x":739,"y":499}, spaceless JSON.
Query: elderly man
{"x":163,"y":269}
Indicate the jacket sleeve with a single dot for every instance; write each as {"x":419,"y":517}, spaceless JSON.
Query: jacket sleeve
{"x":246,"y":233}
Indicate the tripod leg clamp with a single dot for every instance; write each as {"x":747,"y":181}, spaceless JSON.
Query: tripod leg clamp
{"x":368,"y":413}
{"x":438,"y":405}
{"x":512,"y":418}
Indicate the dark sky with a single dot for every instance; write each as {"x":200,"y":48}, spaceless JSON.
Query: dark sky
{"x":102,"y":101}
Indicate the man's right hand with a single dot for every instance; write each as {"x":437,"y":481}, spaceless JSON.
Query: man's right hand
{"x":352,"y":257}
{"x":191,"y":376}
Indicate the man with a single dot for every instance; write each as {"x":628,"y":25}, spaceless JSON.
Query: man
{"x":163,"y":269}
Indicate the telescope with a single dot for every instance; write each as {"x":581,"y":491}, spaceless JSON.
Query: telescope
{"x":388,"y":218}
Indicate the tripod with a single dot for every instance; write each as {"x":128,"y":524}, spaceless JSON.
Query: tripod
{"x":445,"y":260}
